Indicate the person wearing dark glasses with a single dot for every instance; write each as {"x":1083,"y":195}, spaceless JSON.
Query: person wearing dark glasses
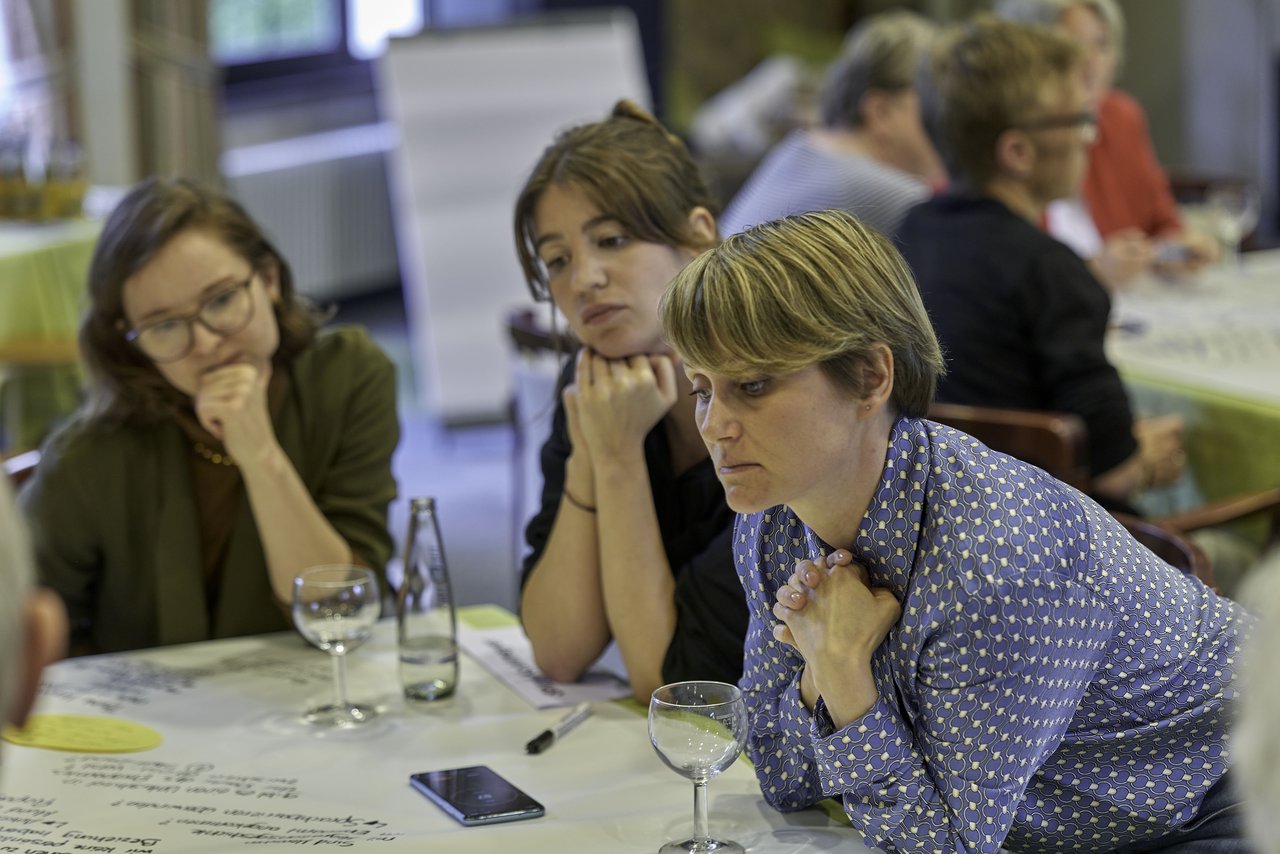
{"x":226,"y":442}
{"x":1019,"y":314}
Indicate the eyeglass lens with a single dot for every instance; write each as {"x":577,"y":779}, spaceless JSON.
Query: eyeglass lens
{"x":225,"y":313}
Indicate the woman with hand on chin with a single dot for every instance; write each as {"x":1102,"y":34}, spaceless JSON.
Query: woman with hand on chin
{"x":632,"y":539}
{"x":968,"y":653}
{"x":226,"y":444}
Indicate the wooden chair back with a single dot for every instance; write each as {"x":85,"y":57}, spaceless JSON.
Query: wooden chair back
{"x":1053,"y":441}
{"x":530,"y":334}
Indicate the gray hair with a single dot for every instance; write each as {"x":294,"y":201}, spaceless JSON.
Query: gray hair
{"x":1049,"y":12}
{"x":882,"y":52}
{"x":16,"y":579}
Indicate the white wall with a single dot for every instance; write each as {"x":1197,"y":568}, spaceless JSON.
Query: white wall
{"x":1205,"y":72}
{"x":104,"y":84}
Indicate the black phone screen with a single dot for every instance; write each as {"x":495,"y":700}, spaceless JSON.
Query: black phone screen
{"x":476,"y":795}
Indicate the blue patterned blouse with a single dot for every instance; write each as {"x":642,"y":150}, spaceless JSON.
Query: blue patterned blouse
{"x":1051,"y":684}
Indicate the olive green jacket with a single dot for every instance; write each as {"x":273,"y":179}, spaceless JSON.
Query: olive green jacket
{"x":113,"y":512}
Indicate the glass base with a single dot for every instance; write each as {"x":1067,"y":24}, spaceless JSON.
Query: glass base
{"x":724,"y":846}
{"x":333,"y":715}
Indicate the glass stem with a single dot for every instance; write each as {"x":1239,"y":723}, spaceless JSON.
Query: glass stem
{"x":339,"y":679}
{"x":700,"y":815}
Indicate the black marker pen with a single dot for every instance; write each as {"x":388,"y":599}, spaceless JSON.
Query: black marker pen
{"x":548,"y":737}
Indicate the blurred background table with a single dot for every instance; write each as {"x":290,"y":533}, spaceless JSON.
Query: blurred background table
{"x":1208,"y":348}
{"x":237,"y":770}
{"x":42,"y":285}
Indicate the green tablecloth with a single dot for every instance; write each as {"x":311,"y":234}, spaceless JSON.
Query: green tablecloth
{"x":1208,"y":350}
{"x":42,"y":288}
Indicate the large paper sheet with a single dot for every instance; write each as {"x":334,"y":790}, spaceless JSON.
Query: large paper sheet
{"x":505,"y":652}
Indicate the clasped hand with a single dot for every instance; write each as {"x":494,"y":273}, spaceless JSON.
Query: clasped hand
{"x":612,"y":404}
{"x":231,"y":403}
{"x":829,"y":612}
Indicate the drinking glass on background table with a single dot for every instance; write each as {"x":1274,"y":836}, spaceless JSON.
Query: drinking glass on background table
{"x":335,"y":607}
{"x":1233,"y":210}
{"x":698,"y":729}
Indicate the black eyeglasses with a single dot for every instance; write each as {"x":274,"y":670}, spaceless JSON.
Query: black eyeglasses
{"x":168,"y":339}
{"x":1087,"y":122}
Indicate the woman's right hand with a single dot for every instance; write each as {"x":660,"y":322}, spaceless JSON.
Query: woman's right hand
{"x":836,"y":620}
{"x":1124,"y":256}
{"x":1160,"y":449}
{"x":619,"y":401}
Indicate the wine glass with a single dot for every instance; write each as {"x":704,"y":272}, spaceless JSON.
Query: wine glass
{"x":1233,"y":209}
{"x":335,"y":607}
{"x":698,"y":729}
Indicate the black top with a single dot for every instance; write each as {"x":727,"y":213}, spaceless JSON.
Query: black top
{"x":1020,"y":318}
{"x":696,"y":527}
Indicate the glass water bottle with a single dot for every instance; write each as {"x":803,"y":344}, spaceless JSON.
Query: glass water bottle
{"x":426,"y":627}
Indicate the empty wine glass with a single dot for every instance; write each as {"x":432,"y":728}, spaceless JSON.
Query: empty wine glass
{"x":335,"y":607}
{"x":1233,"y":209}
{"x":698,"y":729}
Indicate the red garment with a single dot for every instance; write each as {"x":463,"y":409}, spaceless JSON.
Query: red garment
{"x":1124,"y":184}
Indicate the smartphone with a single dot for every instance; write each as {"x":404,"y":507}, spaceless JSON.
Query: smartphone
{"x":476,"y":795}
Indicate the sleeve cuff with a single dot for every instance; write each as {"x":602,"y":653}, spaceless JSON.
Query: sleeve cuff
{"x":861,"y":757}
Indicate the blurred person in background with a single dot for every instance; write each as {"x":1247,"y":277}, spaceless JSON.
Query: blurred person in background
{"x":33,"y":622}
{"x":1123,"y":218}
{"x":1257,"y":734}
{"x":1020,"y":316}
{"x":631,"y":542}
{"x":870,"y":156}
{"x":227,"y":442}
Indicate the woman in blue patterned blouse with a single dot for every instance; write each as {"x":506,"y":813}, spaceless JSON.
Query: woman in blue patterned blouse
{"x":965,"y":651}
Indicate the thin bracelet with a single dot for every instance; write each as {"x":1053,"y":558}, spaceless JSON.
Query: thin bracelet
{"x":586,"y":508}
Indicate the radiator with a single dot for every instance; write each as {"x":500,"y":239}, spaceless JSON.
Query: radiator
{"x":322,"y":199}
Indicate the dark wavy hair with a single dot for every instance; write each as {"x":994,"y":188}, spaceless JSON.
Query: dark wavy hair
{"x":124,"y":385}
{"x":632,"y":169}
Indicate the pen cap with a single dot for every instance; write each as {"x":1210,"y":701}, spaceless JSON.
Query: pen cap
{"x":540,"y":742}
{"x":426,"y":626}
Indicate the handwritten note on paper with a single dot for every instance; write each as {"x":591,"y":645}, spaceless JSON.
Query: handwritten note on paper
{"x":110,"y":683}
{"x":83,"y":734}
{"x":505,"y":652}
{"x":182,"y":808}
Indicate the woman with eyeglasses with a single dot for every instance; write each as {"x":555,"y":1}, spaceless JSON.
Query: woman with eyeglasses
{"x":1124,"y":219}
{"x":226,"y":442}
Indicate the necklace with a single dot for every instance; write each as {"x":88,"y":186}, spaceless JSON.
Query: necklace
{"x":219,"y":458}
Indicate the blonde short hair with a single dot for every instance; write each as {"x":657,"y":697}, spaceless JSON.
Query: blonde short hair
{"x":984,"y":77}
{"x":817,"y":288}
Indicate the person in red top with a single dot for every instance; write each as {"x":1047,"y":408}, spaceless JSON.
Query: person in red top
{"x":1126,"y":220}
{"x":1124,"y":185}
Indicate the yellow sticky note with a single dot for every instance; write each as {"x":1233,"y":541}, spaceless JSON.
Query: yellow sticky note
{"x":83,"y":734}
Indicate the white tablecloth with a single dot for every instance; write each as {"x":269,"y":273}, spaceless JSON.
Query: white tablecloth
{"x":237,"y":771}
{"x":1216,"y":333}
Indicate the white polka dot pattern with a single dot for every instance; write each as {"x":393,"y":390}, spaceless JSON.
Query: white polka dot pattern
{"x":1051,"y":686}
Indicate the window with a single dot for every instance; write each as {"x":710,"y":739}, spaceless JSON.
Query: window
{"x":261,"y":39}
{"x":254,"y":31}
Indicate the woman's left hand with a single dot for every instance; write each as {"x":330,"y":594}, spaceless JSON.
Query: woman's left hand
{"x":231,"y":403}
